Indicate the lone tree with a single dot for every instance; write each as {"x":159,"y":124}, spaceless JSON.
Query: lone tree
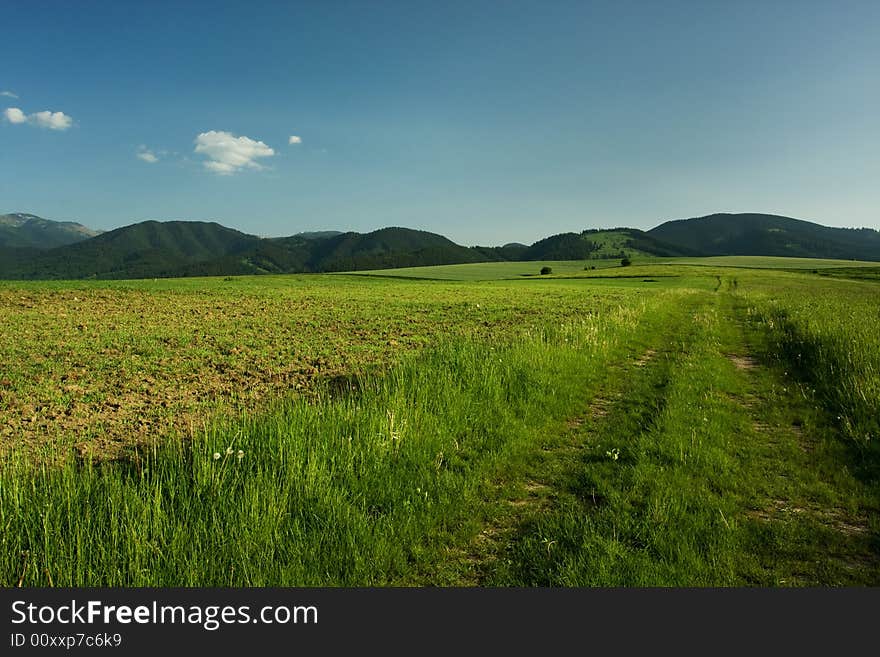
{"x":546,"y":270}
{"x":626,"y":262}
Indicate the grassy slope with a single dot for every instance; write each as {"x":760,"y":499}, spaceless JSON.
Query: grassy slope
{"x":613,"y":242}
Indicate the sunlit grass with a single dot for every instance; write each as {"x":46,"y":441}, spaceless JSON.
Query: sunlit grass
{"x":666,"y":463}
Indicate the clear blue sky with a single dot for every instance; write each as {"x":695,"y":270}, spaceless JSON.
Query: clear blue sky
{"x":488,"y":122}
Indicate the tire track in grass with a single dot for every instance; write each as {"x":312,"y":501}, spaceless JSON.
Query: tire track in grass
{"x":631,"y":396}
{"x":733,"y":480}
{"x":616,"y":423}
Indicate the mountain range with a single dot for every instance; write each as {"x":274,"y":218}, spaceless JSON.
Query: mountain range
{"x":35,"y":248}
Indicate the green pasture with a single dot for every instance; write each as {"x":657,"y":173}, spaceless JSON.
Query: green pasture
{"x":662,"y":424}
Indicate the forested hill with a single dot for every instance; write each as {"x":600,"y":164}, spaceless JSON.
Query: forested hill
{"x":769,"y":235}
{"x":193,"y":248}
{"x":30,"y":248}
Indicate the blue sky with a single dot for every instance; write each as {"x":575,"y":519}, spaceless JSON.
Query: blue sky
{"x":488,"y":122}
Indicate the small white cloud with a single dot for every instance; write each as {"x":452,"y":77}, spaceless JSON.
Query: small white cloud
{"x":294,"y":140}
{"x":45,"y":119}
{"x":223,"y":168}
{"x":8,"y":94}
{"x":147,"y":155}
{"x":51,"y":120}
{"x":228,"y":154}
{"x":14,"y":115}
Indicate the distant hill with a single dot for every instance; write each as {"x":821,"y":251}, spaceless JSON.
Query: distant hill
{"x":511,"y":251}
{"x":631,"y":242}
{"x":154,"y":249}
{"x":142,"y":250}
{"x":769,"y":235}
{"x":596,"y":244}
{"x":388,"y":247}
{"x":318,"y":234}
{"x":21,"y":230}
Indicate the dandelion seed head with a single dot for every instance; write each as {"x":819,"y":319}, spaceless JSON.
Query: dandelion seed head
{"x":216,"y":455}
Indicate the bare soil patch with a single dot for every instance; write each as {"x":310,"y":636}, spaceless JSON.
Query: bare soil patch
{"x":742,"y":362}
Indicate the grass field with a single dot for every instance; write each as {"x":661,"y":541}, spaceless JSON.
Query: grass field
{"x":486,"y":271}
{"x":770,"y":262}
{"x":660,"y":424}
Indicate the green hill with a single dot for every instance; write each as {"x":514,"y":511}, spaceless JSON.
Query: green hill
{"x":21,"y":230}
{"x":192,"y":248}
{"x":564,"y":246}
{"x":602,"y":244}
{"x":388,"y":247}
{"x":318,"y":234}
{"x":143,"y":250}
{"x":154,"y":249}
{"x":769,"y":235}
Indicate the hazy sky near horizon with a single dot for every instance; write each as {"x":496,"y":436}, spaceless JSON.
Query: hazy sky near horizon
{"x":487,"y":122}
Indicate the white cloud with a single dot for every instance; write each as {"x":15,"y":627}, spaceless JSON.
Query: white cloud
{"x":8,"y":94}
{"x":14,"y":115}
{"x":294,"y":140}
{"x":147,"y":155}
{"x":45,"y":119}
{"x":228,"y":154}
{"x":51,"y":120}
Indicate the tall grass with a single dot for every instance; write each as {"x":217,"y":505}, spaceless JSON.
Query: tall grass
{"x":359,"y":488}
{"x":705,"y":473}
{"x":830,"y":339}
{"x":652,"y":500}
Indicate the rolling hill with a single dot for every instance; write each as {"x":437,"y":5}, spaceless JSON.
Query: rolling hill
{"x":153,"y":249}
{"x":29,"y":247}
{"x":143,"y":250}
{"x":595,"y":244}
{"x":768,"y":235}
{"x":387,"y":247}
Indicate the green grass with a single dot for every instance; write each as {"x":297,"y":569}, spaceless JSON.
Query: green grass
{"x":856,"y":273}
{"x":488,"y":271}
{"x":660,"y":424}
{"x":702,"y":475}
{"x":826,"y":332}
{"x":771,"y":262}
{"x":102,"y":364}
{"x":359,"y":489}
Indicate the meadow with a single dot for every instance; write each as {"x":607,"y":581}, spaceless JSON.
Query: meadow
{"x":489,"y":271}
{"x":663,"y":424}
